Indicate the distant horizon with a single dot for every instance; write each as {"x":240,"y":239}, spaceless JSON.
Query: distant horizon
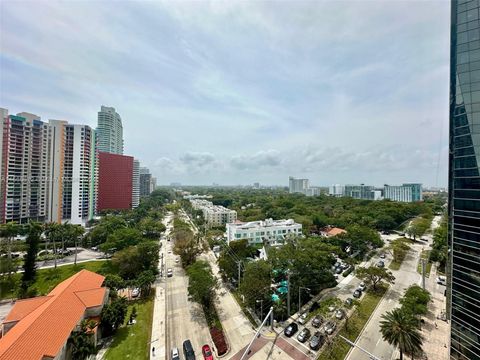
{"x":234,"y":91}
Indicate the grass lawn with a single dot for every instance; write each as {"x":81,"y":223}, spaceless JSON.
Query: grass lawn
{"x":133,"y":341}
{"x":425,"y":255}
{"x":395,"y":265}
{"x":338,"y":348}
{"x":47,"y":279}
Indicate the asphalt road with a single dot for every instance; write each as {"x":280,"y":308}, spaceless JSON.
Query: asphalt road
{"x":371,"y":339}
{"x":184,"y":318}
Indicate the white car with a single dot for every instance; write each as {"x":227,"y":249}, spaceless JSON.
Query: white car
{"x":169,"y":272}
{"x":303,"y":318}
{"x":175,"y":354}
{"x":362,"y":286}
{"x":442,"y":280}
{"x":135,"y":292}
{"x":177,"y":260}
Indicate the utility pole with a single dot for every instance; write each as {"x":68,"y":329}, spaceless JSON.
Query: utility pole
{"x":261,"y":308}
{"x":300,"y":299}
{"x":423,"y":273}
{"x":288,"y":292}
{"x":239,"y":271}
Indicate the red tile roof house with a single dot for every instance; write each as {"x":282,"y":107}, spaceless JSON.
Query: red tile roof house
{"x":39,"y":328}
{"x":331,"y":231}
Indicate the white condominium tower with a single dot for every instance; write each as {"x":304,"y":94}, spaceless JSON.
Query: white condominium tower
{"x":72,"y":186}
{"x":109,"y":131}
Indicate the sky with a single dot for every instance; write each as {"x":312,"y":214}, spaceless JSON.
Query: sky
{"x":236,"y":92}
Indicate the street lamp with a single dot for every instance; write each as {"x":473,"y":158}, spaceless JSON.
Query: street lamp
{"x":299,"y":298}
{"x":261,"y":308}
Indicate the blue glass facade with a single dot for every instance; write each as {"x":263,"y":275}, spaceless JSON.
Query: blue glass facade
{"x":464,"y":181}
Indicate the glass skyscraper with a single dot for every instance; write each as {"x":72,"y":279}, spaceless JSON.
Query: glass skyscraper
{"x":464,"y":181}
{"x":109,"y":131}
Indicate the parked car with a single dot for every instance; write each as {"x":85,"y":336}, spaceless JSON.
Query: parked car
{"x":331,"y":308}
{"x":317,"y":321}
{"x":335,"y":276}
{"x":177,"y":260}
{"x":381,"y":264}
{"x":339,"y":314}
{"x":316,"y":341}
{"x":303,"y":335}
{"x":291,"y":329}
{"x":349,"y":301}
{"x":357,"y":293}
{"x":169,"y":272}
{"x":135,"y":292}
{"x":382,"y":256}
{"x":175,"y":354}
{"x":338,"y":270}
{"x":330,"y":327}
{"x":303,"y":318}
{"x":442,"y":280}
{"x":188,"y":350}
{"x":207,"y":352}
{"x":362,"y":286}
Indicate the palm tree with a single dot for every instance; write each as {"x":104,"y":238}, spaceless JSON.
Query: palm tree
{"x":400,"y":329}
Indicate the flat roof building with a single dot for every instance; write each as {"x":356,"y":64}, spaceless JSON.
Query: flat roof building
{"x":214,"y":215}
{"x":273,"y":232}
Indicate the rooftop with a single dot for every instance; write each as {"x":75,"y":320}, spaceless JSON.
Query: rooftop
{"x":44,"y":323}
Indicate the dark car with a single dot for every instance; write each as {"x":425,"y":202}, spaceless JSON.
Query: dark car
{"x":357,"y":293}
{"x":188,"y":350}
{"x":381,"y":264}
{"x":316,"y":341}
{"x":349,"y":301}
{"x":290,"y":330}
{"x":338,"y":270}
{"x":303,"y":335}
{"x":317,"y":321}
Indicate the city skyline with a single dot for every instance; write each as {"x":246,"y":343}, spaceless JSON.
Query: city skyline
{"x":304,"y":99}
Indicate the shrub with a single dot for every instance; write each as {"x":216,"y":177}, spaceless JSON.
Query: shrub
{"x":219,"y":340}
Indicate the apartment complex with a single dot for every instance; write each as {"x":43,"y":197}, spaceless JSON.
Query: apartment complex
{"x":115,"y":181}
{"x":24,"y":167}
{"x":147,"y":182}
{"x":403,"y":193}
{"x":302,"y":186}
{"x":406,"y":193}
{"x":464,"y":182}
{"x":110,"y":131}
{"x":214,"y":215}
{"x":136,"y":184}
{"x":72,"y":170}
{"x":269,"y":231}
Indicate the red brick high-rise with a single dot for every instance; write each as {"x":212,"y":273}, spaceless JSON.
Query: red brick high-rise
{"x":115,"y":181}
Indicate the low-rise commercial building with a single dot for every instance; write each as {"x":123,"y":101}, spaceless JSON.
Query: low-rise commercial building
{"x":273,"y":232}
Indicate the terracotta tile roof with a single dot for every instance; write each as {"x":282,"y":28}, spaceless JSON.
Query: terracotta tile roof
{"x":24,"y":307}
{"x":43,"y":331}
{"x":335,"y":231}
{"x":92,"y":297}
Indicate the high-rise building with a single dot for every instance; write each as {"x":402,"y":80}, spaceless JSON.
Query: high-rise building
{"x":72,"y":159}
{"x":297,"y":185}
{"x":24,"y":168}
{"x":336,"y":190}
{"x":115,"y":182}
{"x":109,"y":131}
{"x":146,"y":182}
{"x":463,"y":280}
{"x":403,"y":193}
{"x":136,"y":184}
{"x":363,"y":192}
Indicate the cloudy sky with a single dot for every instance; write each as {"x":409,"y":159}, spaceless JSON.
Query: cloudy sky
{"x":238,"y":92}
